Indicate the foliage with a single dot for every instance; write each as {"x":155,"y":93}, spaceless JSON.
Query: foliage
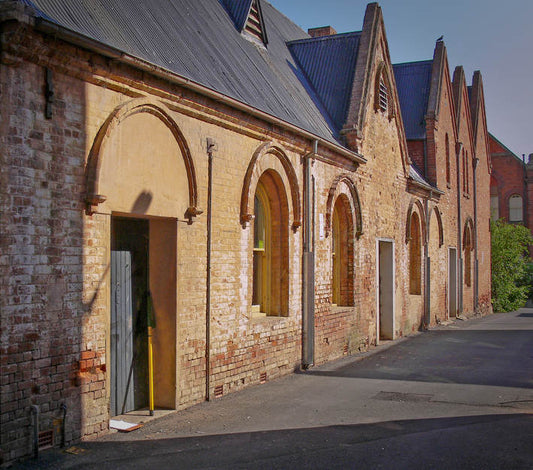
{"x":511,"y":272}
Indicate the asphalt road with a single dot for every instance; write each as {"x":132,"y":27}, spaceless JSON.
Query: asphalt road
{"x":456,"y":397}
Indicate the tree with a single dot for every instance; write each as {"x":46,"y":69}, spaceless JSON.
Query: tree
{"x":511,"y":281}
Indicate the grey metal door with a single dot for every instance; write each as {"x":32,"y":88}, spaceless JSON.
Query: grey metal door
{"x":122,"y":376}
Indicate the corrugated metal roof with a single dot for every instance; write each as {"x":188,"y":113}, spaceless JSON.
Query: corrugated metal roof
{"x":329,"y":64}
{"x":417,"y":176}
{"x":197,"y":39}
{"x":238,"y":10}
{"x":413,"y":80}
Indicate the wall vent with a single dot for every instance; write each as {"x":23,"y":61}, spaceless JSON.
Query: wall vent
{"x":46,"y":439}
{"x":263,"y":377}
{"x":219,"y":391}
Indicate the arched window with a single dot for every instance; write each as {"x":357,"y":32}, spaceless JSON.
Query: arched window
{"x":262,"y":250}
{"x":342,"y":253}
{"x":515,"y":208}
{"x":448,"y":171}
{"x":468,"y":257}
{"x":464,"y":172}
{"x":415,"y":256}
{"x":270,"y":249}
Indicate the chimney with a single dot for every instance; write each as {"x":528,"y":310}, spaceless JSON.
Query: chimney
{"x":321,"y":31}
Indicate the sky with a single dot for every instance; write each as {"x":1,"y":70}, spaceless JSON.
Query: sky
{"x":493,"y":36}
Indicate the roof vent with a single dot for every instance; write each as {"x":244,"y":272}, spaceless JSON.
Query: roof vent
{"x":321,"y":31}
{"x":254,"y":24}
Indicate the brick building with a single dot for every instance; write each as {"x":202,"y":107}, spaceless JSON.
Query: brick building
{"x":511,"y":188}
{"x":248,"y":193}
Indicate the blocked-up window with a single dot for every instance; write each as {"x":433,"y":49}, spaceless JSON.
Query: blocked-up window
{"x":342,"y":258}
{"x":515,"y":208}
{"x":415,"y":256}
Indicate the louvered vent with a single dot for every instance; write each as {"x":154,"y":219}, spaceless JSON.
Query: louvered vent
{"x":254,"y":24}
{"x":46,"y":439}
{"x":219,"y":391}
{"x":263,"y":377}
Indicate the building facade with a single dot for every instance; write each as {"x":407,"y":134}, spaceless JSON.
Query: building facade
{"x":210,"y":183}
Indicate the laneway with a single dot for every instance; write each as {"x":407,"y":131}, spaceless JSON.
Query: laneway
{"x":459,"y":396}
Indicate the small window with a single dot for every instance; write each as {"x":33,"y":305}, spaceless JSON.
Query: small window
{"x":515,"y":208}
{"x":494,"y":204}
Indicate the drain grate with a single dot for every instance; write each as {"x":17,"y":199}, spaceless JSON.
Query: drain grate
{"x":46,"y":439}
{"x":399,"y":396}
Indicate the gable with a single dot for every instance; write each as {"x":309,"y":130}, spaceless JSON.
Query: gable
{"x":413,"y":81}
{"x":329,"y":65}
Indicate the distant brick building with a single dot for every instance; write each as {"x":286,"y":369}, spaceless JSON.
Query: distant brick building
{"x":511,"y":189}
{"x":209,"y":170}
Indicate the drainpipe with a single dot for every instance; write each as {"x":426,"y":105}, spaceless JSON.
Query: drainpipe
{"x":427,"y":266}
{"x":308,"y":287}
{"x":63,"y":408}
{"x":34,"y":410}
{"x":458,"y":150}
{"x":475,"y":161}
{"x":211,"y":146}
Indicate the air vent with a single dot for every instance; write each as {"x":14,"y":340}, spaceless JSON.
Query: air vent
{"x":219,"y":391}
{"x":263,"y":377}
{"x":46,"y":439}
{"x":345,"y":349}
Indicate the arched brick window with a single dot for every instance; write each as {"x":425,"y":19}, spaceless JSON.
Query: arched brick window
{"x":270,"y":250}
{"x":415,"y":256}
{"x":342,"y":256}
{"x":515,"y":208}
{"x":383,"y":101}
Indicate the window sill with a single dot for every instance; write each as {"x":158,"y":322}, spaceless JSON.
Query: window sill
{"x":261,"y":316}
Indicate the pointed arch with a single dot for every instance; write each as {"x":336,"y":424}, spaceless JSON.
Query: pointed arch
{"x":119,"y":114}
{"x":469,"y":226}
{"x":354,"y":200}
{"x":253,"y":173}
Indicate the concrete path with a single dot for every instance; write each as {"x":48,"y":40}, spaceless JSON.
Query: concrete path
{"x":458,"y":396}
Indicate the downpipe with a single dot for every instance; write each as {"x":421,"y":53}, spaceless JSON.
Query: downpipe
{"x":63,"y":408}
{"x":34,"y":410}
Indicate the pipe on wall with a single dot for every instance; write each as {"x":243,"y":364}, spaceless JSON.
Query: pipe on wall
{"x":458,"y":150}
{"x":308,"y":267}
{"x":475,"y":161}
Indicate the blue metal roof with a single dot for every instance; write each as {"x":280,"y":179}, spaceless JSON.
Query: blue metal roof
{"x":197,"y":39}
{"x":413,"y":80}
{"x":238,"y":10}
{"x":329,"y":65}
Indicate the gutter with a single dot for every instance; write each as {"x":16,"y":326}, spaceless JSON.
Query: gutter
{"x":78,"y":39}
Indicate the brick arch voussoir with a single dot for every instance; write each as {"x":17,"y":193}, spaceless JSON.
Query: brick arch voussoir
{"x":251,"y":178}
{"x":119,"y":114}
{"x":353,"y":197}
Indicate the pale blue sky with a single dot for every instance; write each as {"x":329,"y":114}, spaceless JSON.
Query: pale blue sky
{"x":493,"y":36}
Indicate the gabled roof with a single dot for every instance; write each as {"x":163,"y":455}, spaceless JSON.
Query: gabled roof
{"x":413,"y":80}
{"x":329,"y":64}
{"x":197,"y":40}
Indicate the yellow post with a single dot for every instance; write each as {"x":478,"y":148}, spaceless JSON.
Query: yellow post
{"x":150,"y":371}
